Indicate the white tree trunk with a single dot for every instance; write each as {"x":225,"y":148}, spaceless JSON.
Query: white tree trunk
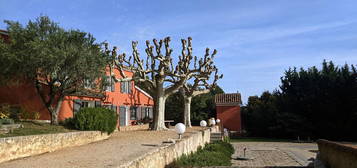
{"x":159,"y":110}
{"x":187,"y":111}
{"x":54,"y":112}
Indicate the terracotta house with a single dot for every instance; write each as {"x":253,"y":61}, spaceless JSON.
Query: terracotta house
{"x":131,"y":103}
{"x":228,"y":111}
{"x":4,"y":35}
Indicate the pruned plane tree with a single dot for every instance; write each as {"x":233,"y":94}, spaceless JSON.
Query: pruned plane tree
{"x":160,"y":73}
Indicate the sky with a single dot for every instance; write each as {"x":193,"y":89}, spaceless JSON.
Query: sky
{"x":256,"y":40}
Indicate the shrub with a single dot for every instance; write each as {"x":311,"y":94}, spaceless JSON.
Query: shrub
{"x":15,"y":112}
{"x":100,"y":119}
{"x":4,"y":121}
{"x":26,"y":114}
{"x":68,"y":123}
{"x":4,"y":111}
{"x":215,"y":154}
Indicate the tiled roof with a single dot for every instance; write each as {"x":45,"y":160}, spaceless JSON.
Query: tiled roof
{"x":4,"y":32}
{"x":228,"y":98}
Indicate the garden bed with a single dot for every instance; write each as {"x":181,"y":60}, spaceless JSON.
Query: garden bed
{"x":214,"y":154}
{"x":32,"y":128}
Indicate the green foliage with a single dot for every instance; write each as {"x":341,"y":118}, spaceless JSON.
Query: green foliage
{"x":32,"y":128}
{"x":202,"y":107}
{"x":214,"y":154}
{"x":5,"y":111}
{"x":15,"y":112}
{"x":227,"y":139}
{"x":311,"y":103}
{"x":174,"y":107}
{"x":8,"y":111}
{"x":4,"y":121}
{"x":32,"y":115}
{"x":68,"y":123}
{"x":101,"y":119}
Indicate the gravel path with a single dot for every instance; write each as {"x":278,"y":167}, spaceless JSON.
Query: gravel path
{"x":120,"y":148}
{"x":274,"y":154}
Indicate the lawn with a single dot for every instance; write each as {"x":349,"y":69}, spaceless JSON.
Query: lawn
{"x":31,"y":128}
{"x":214,"y":154}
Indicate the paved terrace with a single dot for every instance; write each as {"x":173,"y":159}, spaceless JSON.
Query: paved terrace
{"x":280,"y":154}
{"x":120,"y":148}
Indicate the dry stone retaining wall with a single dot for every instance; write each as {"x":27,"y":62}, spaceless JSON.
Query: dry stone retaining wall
{"x":23,"y":146}
{"x":334,"y":154}
{"x":134,"y":127}
{"x":167,"y":154}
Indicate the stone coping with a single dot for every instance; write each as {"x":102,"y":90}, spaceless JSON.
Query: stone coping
{"x":24,"y":146}
{"x":334,"y":154}
{"x":167,"y":153}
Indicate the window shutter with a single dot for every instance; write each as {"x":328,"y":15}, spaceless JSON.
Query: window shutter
{"x":76,"y":106}
{"x":151,"y":113}
{"x":122,"y":87}
{"x":138,"y":113}
{"x":122,"y":115}
{"x":97,"y":104}
{"x":114,"y":108}
{"x":126,"y":87}
{"x":112,"y":84}
{"x":130,"y":86}
{"x":107,"y":87}
{"x":143,"y":112}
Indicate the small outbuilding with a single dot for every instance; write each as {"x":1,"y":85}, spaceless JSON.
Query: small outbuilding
{"x":228,"y":110}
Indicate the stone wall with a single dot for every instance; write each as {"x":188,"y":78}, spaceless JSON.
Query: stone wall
{"x":134,"y":127}
{"x":167,"y":154}
{"x":23,"y":146}
{"x":334,"y":154}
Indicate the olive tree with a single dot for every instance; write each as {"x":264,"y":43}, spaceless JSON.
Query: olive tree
{"x":56,"y":61}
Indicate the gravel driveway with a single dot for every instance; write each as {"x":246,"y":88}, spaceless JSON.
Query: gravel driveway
{"x":120,"y":148}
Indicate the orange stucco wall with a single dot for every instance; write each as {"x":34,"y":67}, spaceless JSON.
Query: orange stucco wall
{"x":67,"y":106}
{"x":117,"y":98}
{"x":230,"y":117}
{"x":25,"y":95}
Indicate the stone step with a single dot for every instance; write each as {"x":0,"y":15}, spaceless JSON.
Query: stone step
{"x":216,"y":136}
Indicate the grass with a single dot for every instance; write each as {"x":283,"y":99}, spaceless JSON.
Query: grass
{"x":31,"y":128}
{"x":214,"y":154}
{"x":255,"y":139}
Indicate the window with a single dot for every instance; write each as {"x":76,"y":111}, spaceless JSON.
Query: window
{"x":133,"y":111}
{"x":110,"y":84}
{"x":125,"y":87}
{"x":85,"y":104}
{"x":122,"y":116}
{"x":97,"y":104}
{"x":78,"y":104}
{"x":110,"y":107}
{"x":146,"y":112}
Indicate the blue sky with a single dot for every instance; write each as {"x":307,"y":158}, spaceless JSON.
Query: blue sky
{"x":256,"y":39}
